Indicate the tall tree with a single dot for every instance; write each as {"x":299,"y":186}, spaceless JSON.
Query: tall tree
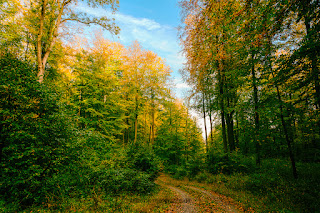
{"x":48,"y":16}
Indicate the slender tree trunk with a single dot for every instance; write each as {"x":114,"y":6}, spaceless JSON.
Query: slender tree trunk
{"x":314,"y":65}
{"x":126,"y":130}
{"x":230,"y":129}
{"x":237,"y":132}
{"x":152,"y":117}
{"x":187,"y":134}
{"x":284,"y":125}
{"x":224,"y":136}
{"x":39,"y":42}
{"x":170,"y":119}
{"x":211,"y":127}
{"x":1,"y":146}
{"x":256,"y":113}
{"x":136,"y":121}
{"x":2,"y":136}
{"x":315,"y":73}
{"x":210,"y":117}
{"x":204,"y":120}
{"x":150,"y":130}
{"x":288,"y":138}
{"x":79,"y":113}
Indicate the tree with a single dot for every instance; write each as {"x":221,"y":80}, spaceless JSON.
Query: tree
{"x":35,"y":134}
{"x":257,"y":62}
{"x":10,"y":33}
{"x":47,"y":17}
{"x":207,"y":37}
{"x":145,"y":76}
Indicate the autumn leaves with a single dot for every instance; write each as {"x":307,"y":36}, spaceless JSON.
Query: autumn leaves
{"x":251,"y":62}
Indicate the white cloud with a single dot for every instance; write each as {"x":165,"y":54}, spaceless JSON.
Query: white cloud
{"x":141,"y":22}
{"x":161,"y":39}
{"x":180,"y":84}
{"x":176,"y":61}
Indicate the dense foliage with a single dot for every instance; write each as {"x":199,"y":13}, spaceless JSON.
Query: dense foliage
{"x":35,"y":133}
{"x":96,"y":121}
{"x":255,"y":65}
{"x":80,"y":121}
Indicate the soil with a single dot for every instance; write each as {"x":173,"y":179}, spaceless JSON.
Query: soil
{"x":190,"y":199}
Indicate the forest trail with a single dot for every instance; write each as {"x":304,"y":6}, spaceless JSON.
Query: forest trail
{"x":189,"y":199}
{"x":183,"y":203}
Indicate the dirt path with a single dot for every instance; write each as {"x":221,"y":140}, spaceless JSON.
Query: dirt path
{"x":185,"y":202}
{"x":191,"y":199}
{"x":225,"y":206}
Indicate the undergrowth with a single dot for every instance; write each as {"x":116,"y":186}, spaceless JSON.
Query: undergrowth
{"x":270,"y":188}
{"x":99,"y":201}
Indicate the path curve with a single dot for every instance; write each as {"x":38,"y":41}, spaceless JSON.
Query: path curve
{"x":217,"y":200}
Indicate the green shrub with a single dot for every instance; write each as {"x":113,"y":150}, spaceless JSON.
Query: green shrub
{"x":142,"y":157}
{"x":117,"y":181}
{"x":194,"y":166}
{"x":229,"y":163}
{"x":35,"y":134}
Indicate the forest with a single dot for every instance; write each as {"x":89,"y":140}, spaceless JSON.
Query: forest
{"x":92,"y":125}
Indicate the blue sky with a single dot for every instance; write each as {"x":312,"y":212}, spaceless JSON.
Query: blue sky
{"x":165,"y":12}
{"x":153,"y":23}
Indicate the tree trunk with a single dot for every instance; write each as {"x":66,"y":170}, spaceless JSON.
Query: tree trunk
{"x":186,"y":134}
{"x":39,"y":42}
{"x":230,"y":129}
{"x":42,"y":58}
{"x":288,"y":138}
{"x":314,"y":65}
{"x":79,"y":113}
{"x":256,"y":113}
{"x":204,"y":120}
{"x":211,"y":127}
{"x":136,"y":121}
{"x":2,"y":136}
{"x":152,"y":117}
{"x":224,"y":137}
{"x":284,"y":125}
{"x":237,"y":132}
{"x":314,"y":72}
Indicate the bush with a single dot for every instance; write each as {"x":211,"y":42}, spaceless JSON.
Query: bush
{"x":195,"y":165}
{"x":142,"y":157}
{"x":229,"y":163}
{"x":35,"y":134}
{"x":117,"y":181}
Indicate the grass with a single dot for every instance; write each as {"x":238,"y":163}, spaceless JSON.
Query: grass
{"x":157,"y":201}
{"x":270,"y":188}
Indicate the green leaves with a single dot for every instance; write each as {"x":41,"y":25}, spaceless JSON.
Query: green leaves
{"x":32,"y":144}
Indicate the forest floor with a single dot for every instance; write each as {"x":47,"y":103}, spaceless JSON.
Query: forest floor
{"x":190,"y":198}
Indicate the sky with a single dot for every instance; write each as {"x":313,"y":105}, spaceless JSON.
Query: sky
{"x":153,"y":23}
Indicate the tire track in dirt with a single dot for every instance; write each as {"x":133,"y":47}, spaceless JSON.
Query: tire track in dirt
{"x":185,"y":203}
{"x":225,"y":206}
